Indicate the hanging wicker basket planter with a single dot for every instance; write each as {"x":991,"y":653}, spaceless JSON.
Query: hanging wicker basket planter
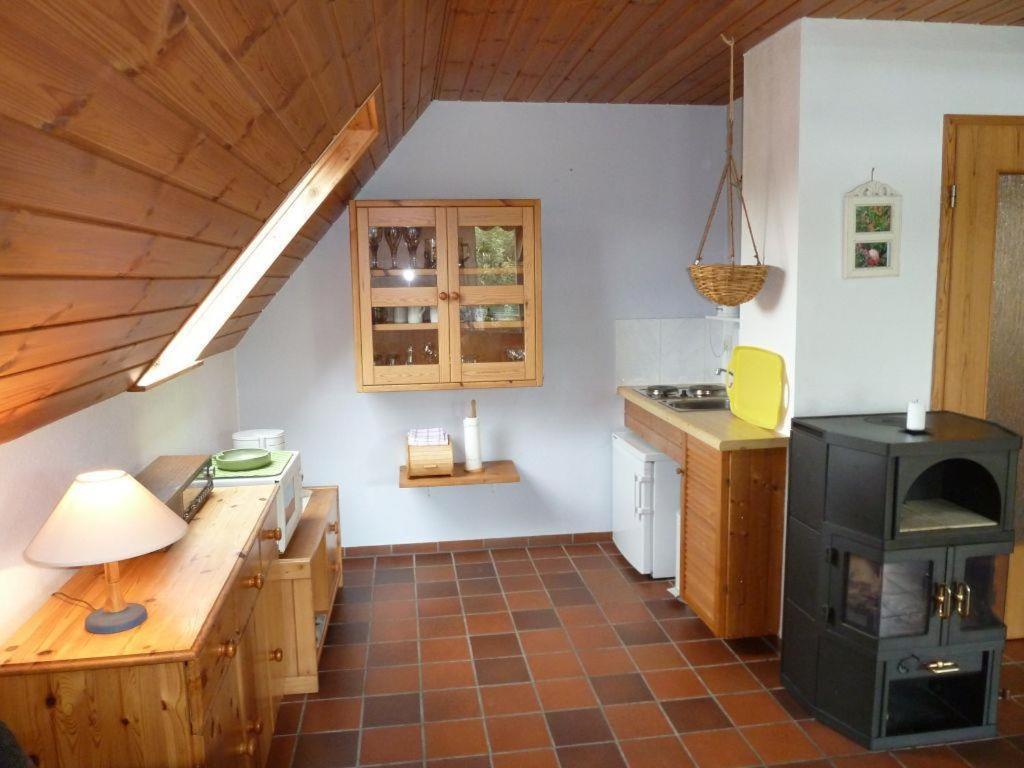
{"x":729,"y":284}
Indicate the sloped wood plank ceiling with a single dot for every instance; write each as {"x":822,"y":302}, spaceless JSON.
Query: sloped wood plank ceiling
{"x":144,"y":142}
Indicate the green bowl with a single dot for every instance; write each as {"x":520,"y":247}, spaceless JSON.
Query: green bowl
{"x":240,"y":459}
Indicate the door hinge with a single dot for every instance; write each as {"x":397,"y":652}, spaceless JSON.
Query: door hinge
{"x":952,"y":195}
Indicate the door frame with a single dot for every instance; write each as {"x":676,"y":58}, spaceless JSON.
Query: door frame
{"x":946,"y":211}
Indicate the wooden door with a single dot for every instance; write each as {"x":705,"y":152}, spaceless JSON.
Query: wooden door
{"x":401,"y":285}
{"x":704,"y":539}
{"x":261,"y":698}
{"x":493,"y":309}
{"x":225,"y":739}
{"x":979,"y":316}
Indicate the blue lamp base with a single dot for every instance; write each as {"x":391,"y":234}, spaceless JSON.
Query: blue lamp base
{"x":112,"y":622}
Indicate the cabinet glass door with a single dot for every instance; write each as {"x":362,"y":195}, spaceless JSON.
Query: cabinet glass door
{"x":491,"y":270}
{"x":978,"y":585}
{"x":402,"y":273}
{"x":887,"y":597}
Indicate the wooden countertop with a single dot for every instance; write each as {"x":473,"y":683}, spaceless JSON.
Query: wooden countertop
{"x":181,"y":588}
{"x":718,"y":429}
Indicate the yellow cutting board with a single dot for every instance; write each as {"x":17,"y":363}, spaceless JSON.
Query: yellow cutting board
{"x":755,"y":386}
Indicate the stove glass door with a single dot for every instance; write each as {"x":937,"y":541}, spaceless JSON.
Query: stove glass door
{"x":978,"y":584}
{"x":886,"y":597}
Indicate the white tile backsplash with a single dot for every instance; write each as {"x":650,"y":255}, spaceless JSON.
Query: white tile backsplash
{"x":637,"y":349}
{"x":674,"y":351}
{"x":683,"y":342}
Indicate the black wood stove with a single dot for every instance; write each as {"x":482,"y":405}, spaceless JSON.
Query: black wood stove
{"x":896,"y":557}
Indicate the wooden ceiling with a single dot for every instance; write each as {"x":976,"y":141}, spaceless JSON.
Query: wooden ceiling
{"x":641,"y":51}
{"x":144,"y":142}
{"x":142,"y":145}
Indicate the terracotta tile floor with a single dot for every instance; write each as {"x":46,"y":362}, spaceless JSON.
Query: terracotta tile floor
{"x":562,"y":656}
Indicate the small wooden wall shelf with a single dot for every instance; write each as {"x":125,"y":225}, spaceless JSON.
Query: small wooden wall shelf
{"x":503,"y":471}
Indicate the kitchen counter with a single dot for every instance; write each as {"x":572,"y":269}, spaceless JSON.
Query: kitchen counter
{"x":718,"y":429}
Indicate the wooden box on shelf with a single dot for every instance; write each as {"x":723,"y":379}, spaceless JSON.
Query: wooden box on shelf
{"x":309,"y":574}
{"x":431,"y":460}
{"x":446,"y":294}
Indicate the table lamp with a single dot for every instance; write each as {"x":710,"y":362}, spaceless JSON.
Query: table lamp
{"x":105,"y":517}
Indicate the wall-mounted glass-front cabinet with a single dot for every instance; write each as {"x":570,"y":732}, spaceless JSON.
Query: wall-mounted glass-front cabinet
{"x":446,"y":293}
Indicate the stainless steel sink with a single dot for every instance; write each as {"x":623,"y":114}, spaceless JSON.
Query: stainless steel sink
{"x":697,"y":403}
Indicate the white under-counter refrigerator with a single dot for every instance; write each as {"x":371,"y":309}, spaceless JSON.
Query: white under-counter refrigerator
{"x":645,"y":505}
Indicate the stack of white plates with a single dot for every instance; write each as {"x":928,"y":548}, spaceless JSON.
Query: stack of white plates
{"x":268,"y":439}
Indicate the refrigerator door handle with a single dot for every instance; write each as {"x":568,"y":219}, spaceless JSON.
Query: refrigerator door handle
{"x":646,"y":508}
{"x":636,"y":495}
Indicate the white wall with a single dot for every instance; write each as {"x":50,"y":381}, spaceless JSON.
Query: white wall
{"x":771,"y":133}
{"x":871,"y":94}
{"x":193,"y":414}
{"x":625,"y":192}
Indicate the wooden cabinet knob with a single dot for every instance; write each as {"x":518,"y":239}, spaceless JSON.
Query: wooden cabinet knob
{"x":680,"y":471}
{"x":256,"y":582}
{"x":332,"y":528}
{"x":256,"y":728}
{"x":227,"y":650}
{"x":248,"y":749}
{"x":455,"y":295}
{"x":335,"y":567}
{"x":443,"y":296}
{"x":274,"y":534}
{"x":277,"y":655}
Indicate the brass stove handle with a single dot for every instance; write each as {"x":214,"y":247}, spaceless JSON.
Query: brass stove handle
{"x":942,"y":667}
{"x":943,"y":601}
{"x":963,"y":599}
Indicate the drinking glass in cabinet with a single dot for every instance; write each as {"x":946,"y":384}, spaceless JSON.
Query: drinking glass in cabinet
{"x":393,"y":236}
{"x":412,"y":243}
{"x":374,"y":234}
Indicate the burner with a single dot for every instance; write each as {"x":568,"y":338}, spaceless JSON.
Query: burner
{"x":661,"y":391}
{"x":705,"y":390}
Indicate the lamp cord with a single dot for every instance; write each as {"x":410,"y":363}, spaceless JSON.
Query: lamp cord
{"x":78,"y":600}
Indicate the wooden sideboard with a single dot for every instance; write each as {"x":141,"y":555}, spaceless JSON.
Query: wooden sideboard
{"x":730,"y":545}
{"x":198,"y":684}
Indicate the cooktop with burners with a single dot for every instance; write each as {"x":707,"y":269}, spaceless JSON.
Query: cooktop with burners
{"x":688,"y":397}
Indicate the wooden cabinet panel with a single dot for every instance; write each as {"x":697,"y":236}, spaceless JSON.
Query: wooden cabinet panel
{"x":225,"y":739}
{"x":308,"y":575}
{"x":446,"y":294}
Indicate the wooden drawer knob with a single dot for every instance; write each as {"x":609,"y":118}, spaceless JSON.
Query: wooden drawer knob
{"x":443,"y":296}
{"x":248,"y":748}
{"x":455,"y":295}
{"x":680,"y":471}
{"x":332,"y":528}
{"x":256,"y":582}
{"x":227,"y":650}
{"x":256,"y":728}
{"x":277,"y":655}
{"x":273,"y":535}
{"x":335,"y":567}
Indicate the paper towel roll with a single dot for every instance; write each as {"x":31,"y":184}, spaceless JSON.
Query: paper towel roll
{"x":471,"y":430}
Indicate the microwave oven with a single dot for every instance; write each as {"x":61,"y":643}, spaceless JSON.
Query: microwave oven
{"x":288,"y":502}
{"x":183,"y":483}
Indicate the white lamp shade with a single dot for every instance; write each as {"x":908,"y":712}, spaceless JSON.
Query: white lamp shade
{"x":104,"y":517}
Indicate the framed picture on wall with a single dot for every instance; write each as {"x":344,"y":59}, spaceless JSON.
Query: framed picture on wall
{"x":871,"y":230}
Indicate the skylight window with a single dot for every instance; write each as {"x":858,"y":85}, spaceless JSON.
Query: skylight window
{"x":252,"y":264}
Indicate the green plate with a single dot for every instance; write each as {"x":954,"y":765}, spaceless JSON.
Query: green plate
{"x":239,"y":459}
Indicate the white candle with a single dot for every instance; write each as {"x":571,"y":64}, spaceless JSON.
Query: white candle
{"x":915,"y":416}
